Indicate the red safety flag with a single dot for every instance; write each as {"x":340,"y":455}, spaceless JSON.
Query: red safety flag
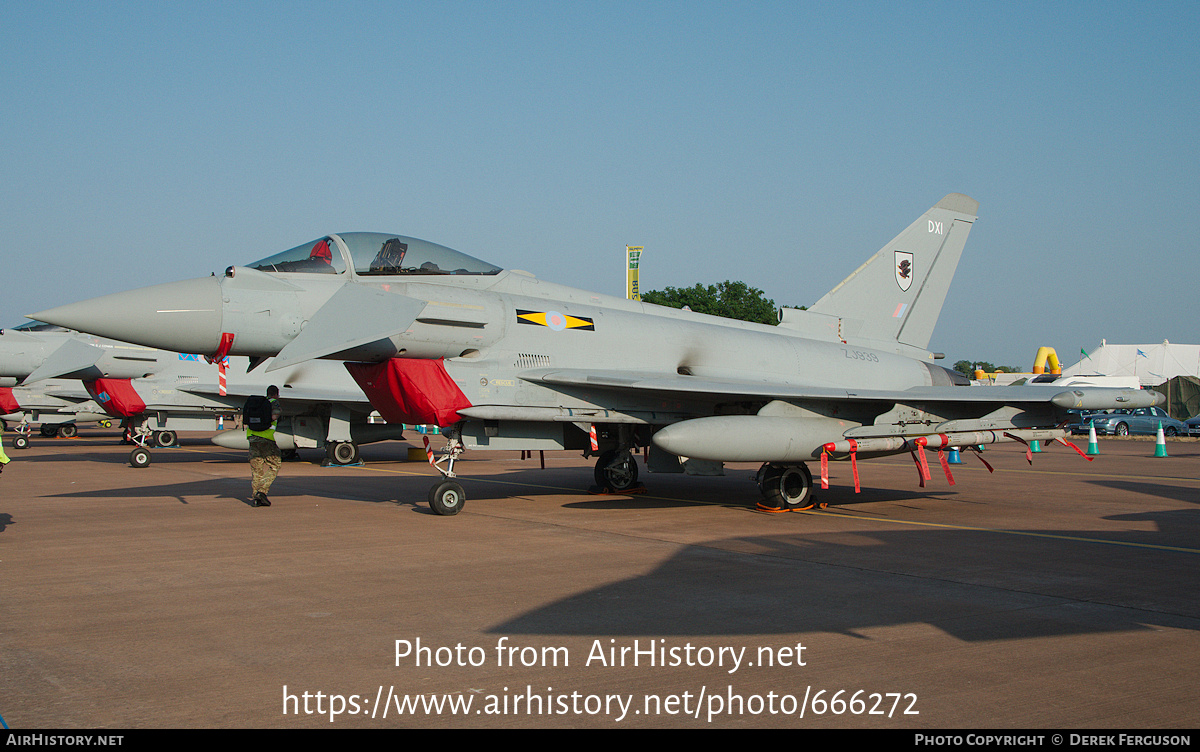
{"x":854,"y":462}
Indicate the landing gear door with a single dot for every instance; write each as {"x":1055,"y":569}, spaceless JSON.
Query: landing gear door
{"x":308,"y":431}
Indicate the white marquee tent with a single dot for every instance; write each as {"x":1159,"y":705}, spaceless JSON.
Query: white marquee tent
{"x":1151,"y":364}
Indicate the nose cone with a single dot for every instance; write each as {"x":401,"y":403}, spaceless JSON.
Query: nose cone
{"x":180,"y":316}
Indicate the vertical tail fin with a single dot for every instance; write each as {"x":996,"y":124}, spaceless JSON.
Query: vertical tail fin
{"x":897,"y":295}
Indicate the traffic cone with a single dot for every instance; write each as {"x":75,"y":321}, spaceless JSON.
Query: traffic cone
{"x":1035,"y":447}
{"x":1093,"y":447}
{"x":953,"y":456}
{"x":1160,"y":447}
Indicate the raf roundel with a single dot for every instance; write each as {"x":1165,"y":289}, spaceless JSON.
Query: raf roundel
{"x":555,"y":321}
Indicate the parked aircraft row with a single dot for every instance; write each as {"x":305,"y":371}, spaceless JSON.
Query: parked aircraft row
{"x":68,"y":376}
{"x":503,"y":360}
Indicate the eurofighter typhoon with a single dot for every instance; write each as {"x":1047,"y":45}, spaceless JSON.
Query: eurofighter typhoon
{"x":156,"y":394}
{"x":503,"y":360}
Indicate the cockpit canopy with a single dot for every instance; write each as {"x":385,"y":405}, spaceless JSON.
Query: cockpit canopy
{"x":38,"y":326}
{"x":373,"y":254}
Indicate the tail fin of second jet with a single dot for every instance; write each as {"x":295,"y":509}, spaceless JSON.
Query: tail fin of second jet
{"x":897,"y":295}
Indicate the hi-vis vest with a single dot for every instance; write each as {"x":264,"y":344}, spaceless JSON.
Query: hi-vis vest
{"x":268,"y":434}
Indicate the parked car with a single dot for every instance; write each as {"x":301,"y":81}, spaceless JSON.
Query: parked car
{"x":1143,"y":420}
{"x":1078,"y":424}
{"x":1193,"y":426}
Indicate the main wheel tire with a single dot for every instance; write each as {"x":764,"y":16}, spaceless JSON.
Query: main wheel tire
{"x":619,"y":477}
{"x":165,"y":438}
{"x":1122,"y":430}
{"x":786,"y":486}
{"x":20,"y":442}
{"x":447,"y":498}
{"x":343,"y":453}
{"x":140,"y":457}
{"x":48,"y":430}
{"x":68,"y":430}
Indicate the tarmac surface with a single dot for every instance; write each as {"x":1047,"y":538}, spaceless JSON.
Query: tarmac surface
{"x":1065,"y":594}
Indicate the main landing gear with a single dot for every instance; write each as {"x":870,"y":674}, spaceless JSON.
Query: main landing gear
{"x":61,"y":430}
{"x":341,"y":453}
{"x":785,"y":488}
{"x":616,"y":471}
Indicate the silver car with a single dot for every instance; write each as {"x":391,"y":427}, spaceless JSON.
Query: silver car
{"x":1143,"y":420}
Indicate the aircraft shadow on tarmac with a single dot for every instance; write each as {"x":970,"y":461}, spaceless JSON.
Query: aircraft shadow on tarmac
{"x":347,"y":484}
{"x":342,"y":486}
{"x":104,"y":453}
{"x":974,"y":585}
{"x":735,"y":489}
{"x":407,"y":482}
{"x":1161,"y":490}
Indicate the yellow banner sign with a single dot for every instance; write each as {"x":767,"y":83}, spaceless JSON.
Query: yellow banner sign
{"x":633,"y":254}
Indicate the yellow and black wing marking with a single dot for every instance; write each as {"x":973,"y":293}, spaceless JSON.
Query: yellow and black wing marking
{"x":555,"y":320}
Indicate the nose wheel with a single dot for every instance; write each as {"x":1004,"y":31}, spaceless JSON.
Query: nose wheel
{"x":447,"y":497}
{"x":142,"y":437}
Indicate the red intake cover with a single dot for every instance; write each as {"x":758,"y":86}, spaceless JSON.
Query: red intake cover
{"x":409,"y":390}
{"x":8,"y":403}
{"x":116,"y":397}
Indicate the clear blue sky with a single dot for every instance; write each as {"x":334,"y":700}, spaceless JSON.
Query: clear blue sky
{"x":776,"y":143}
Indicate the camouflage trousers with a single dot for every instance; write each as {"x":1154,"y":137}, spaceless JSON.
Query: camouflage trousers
{"x":264,"y":464}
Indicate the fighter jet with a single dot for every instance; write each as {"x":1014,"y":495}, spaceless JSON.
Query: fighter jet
{"x":58,"y":405}
{"x":503,"y":360}
{"x":157,"y":393}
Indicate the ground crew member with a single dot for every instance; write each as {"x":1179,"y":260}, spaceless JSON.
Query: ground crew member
{"x":3,"y":456}
{"x":265,"y":459}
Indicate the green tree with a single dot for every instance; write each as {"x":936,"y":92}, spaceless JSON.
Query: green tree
{"x":967,"y":367}
{"x":733,"y":300}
